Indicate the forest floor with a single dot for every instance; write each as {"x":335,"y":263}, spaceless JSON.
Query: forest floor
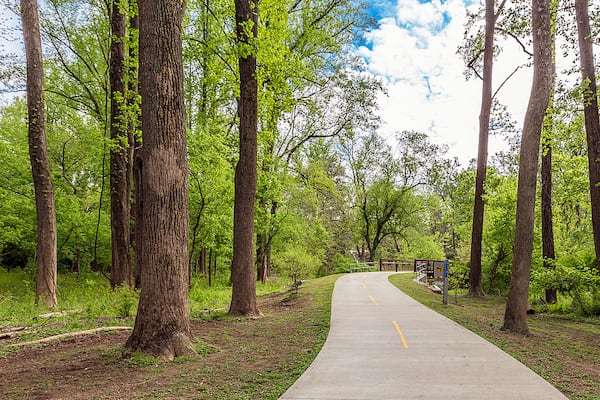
{"x":238,"y":358}
{"x":261,"y":358}
{"x":564,"y":350}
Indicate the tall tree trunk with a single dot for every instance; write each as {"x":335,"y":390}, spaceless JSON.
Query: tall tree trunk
{"x":475,"y":279}
{"x":243,"y":298}
{"x":45,"y":288}
{"x":548,"y":253}
{"x":515,"y":316}
{"x":547,"y":226}
{"x":120,"y":179}
{"x":162,"y":324}
{"x":135,"y":138}
{"x":592,"y":123}
{"x":263,"y":248}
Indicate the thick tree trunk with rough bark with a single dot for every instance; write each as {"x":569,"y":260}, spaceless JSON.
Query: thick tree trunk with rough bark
{"x":243,"y":299}
{"x":592,"y":123}
{"x":120,"y":178}
{"x":515,"y":316}
{"x":475,"y":279}
{"x":162,"y":324}
{"x":45,"y":289}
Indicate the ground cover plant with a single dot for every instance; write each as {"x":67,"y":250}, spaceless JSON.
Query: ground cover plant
{"x":563,"y":349}
{"x":238,"y":358}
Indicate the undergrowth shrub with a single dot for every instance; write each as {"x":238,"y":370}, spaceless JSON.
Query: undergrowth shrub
{"x":581,"y":286}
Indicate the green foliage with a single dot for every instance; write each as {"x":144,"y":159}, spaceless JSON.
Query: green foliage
{"x":499,"y":230}
{"x":204,"y":348}
{"x":341,"y":263}
{"x":138,"y":359}
{"x":458,"y":276}
{"x":581,"y":285}
{"x":296,"y":262}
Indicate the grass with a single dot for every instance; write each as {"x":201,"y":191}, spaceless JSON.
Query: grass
{"x":237,"y":358}
{"x":563,"y":350}
{"x":242,"y":358}
{"x":88,"y":302}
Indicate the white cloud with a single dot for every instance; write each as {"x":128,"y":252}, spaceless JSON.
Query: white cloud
{"x":413,"y":12}
{"x":415,"y":54}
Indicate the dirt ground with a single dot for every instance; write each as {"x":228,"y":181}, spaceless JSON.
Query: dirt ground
{"x":239,"y":359}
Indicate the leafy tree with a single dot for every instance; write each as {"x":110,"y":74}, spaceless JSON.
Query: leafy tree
{"x":385,"y":186}
{"x":516,"y":307}
{"x":162,"y":324}
{"x":120,"y":154}
{"x":243,"y":300}
{"x":45,"y":291}
{"x":548,"y":251}
{"x":475,"y":284}
{"x":592,"y":120}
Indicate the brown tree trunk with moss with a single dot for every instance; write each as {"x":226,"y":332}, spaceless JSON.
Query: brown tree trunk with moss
{"x":515,"y":316}
{"x":162,"y":326}
{"x":592,"y":121}
{"x":243,"y":298}
{"x":45,"y":288}
{"x":120,"y":179}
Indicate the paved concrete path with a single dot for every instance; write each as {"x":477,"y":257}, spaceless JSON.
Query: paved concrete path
{"x":384,"y":345}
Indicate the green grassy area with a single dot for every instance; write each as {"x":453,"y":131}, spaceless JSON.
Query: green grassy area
{"x":238,"y":358}
{"x":88,"y":302}
{"x":564,"y":350}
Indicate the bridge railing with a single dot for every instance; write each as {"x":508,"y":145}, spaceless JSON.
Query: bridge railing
{"x":392,"y":264}
{"x":361,"y":266}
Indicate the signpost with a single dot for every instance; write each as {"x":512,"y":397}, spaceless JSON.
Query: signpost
{"x":446,"y":268}
{"x":440,"y":277}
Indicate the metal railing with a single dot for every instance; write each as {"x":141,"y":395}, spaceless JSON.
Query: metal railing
{"x":361,"y":266}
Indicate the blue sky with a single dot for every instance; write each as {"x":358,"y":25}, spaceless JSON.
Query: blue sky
{"x":413,"y":50}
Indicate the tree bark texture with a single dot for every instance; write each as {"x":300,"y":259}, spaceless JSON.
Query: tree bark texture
{"x":45,"y":290}
{"x":120,"y":178}
{"x":515,"y":316}
{"x":162,"y":325}
{"x":243,"y":300}
{"x":592,"y":123}
{"x":548,"y":253}
{"x":547,"y":225}
{"x":135,"y":139}
{"x":475,"y":273}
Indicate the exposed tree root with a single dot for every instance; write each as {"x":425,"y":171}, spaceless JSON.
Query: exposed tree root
{"x":71,"y":335}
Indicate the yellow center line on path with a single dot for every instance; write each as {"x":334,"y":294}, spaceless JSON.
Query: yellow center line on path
{"x":404,"y":343}
{"x":364,"y":285}
{"x":373,"y":300}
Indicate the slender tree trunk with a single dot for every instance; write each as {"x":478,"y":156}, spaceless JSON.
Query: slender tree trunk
{"x":210,"y":261}
{"x":243,"y":299}
{"x":548,"y":253}
{"x":120,"y":183}
{"x":547,"y":226}
{"x":162,"y":324}
{"x":515,"y":316}
{"x":475,"y":278}
{"x":261,"y":256}
{"x":135,"y":138}
{"x":203,"y":261}
{"x":45,"y":289}
{"x":263,"y":261}
{"x":592,"y":123}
